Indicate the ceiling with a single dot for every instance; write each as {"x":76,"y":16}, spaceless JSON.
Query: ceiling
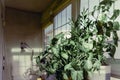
{"x":28,"y":5}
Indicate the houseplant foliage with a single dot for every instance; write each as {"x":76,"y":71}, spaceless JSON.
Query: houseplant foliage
{"x":31,"y":74}
{"x":77,"y":57}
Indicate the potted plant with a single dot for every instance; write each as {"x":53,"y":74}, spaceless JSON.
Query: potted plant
{"x":79,"y":56}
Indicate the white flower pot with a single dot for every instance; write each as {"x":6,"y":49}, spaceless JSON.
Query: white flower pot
{"x":103,"y":74}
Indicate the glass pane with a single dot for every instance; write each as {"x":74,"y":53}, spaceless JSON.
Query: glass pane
{"x":48,"y":35}
{"x":111,"y":11}
{"x":118,"y":32}
{"x":117,"y":6}
{"x":84,"y":4}
{"x":55,"y":22}
{"x":64,"y":18}
{"x":117,"y":54}
{"x":92,"y":3}
{"x":59,"y":20}
{"x":69,"y":13}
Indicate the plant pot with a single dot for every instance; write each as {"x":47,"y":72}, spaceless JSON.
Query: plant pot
{"x":103,"y":74}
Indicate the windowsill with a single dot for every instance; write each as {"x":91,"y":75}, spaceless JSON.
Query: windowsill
{"x":115,"y":77}
{"x":112,"y":78}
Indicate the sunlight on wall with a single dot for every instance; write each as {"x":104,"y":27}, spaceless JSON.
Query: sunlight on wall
{"x":18,"y":50}
{"x":20,"y":64}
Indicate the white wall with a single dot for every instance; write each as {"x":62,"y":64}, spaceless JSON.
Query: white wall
{"x":20,"y":26}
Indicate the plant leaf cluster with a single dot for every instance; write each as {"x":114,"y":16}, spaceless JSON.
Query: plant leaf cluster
{"x":77,"y":57}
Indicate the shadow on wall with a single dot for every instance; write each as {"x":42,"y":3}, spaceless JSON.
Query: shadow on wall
{"x":115,"y":67}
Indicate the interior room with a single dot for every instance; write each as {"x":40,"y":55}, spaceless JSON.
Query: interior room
{"x":28,"y":26}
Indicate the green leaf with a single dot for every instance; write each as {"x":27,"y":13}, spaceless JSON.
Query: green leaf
{"x":112,"y":51}
{"x":88,"y":65}
{"x":68,"y":67}
{"x":64,"y":55}
{"x":103,"y":17}
{"x":90,"y":56}
{"x":99,"y":26}
{"x":115,"y":14}
{"x":107,"y":2}
{"x":52,"y":71}
{"x":77,"y":75}
{"x":60,"y":35}
{"x":37,"y":59}
{"x":54,"y":41}
{"x":109,"y":25}
{"x":55,"y":51}
{"x":108,"y":33}
{"x":115,"y":38}
{"x":88,"y":46}
{"x":72,"y":42}
{"x":97,"y":65}
{"x":100,"y":37}
{"x":55,"y":65}
{"x":65,"y":76}
{"x":116,"y":26}
{"x":80,"y":75}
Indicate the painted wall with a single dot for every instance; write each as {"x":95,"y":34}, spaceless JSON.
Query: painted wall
{"x":20,"y":27}
{"x":1,"y":38}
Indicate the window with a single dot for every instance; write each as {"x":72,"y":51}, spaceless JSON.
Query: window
{"x":48,"y":33}
{"x":117,"y":6}
{"x":61,"y":21}
{"x":114,"y":63}
{"x":89,"y":4}
{"x":84,"y":4}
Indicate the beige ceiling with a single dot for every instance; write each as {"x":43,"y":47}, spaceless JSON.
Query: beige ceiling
{"x":28,"y":5}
